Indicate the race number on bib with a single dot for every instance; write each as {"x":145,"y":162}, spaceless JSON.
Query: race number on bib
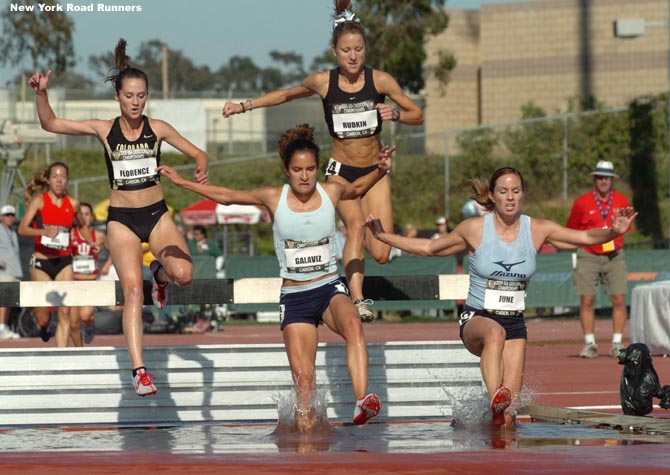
{"x":307,"y":256}
{"x":60,"y":241}
{"x":83,"y":264}
{"x":505,"y":296}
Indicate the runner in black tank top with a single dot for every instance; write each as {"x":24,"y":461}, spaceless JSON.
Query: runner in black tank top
{"x":137,"y":211}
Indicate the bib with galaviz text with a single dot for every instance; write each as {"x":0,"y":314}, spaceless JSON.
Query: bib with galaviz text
{"x":305,"y":240}
{"x":307,"y":256}
{"x":131,"y":165}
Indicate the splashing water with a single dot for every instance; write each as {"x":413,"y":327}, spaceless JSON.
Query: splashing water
{"x":287,"y":408}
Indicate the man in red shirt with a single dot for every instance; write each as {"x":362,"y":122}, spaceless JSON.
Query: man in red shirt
{"x":604,"y":263}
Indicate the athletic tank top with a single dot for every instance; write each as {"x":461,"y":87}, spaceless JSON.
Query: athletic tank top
{"x":84,"y":256}
{"x":132,"y":165}
{"x":500,"y":271}
{"x":305,"y":242}
{"x":352,"y":115}
{"x":51,"y":215}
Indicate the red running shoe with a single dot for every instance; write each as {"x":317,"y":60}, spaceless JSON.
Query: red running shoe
{"x":142,"y":383}
{"x":366,"y":408}
{"x":158,"y":291}
{"x":502,"y":399}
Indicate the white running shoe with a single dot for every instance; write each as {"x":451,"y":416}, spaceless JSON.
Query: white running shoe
{"x":364,"y":312}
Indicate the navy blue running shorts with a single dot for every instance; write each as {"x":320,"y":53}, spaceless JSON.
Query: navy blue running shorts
{"x":309,"y":306}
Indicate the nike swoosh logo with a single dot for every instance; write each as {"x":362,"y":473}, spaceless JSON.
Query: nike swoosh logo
{"x":352,"y":98}
{"x":155,"y":213}
{"x":148,"y":136}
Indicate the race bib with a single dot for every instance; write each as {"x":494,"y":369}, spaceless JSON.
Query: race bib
{"x":503,"y":296}
{"x":354,"y":120}
{"x":333,"y":167}
{"x":307,"y":256}
{"x":60,"y":241}
{"x":83,"y":265}
{"x":133,"y":170}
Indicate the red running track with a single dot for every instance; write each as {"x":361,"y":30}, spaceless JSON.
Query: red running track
{"x":555,"y":376}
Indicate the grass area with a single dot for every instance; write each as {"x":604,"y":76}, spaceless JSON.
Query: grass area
{"x":417,"y":187}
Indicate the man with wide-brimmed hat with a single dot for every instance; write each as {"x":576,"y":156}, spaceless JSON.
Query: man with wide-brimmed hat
{"x":604,"y":263}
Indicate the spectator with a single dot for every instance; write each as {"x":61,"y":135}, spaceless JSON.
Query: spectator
{"x":410,"y":230}
{"x":200,"y":245}
{"x":602,"y":263}
{"x":442,"y":224}
{"x":10,"y":265}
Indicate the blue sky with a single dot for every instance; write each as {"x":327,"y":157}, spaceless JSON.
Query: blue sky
{"x":208,"y":31}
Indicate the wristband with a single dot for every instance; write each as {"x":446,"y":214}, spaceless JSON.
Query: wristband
{"x":396,"y":114}
{"x":243,"y":108}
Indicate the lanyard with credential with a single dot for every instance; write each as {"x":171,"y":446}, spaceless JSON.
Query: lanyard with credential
{"x":600,"y":207}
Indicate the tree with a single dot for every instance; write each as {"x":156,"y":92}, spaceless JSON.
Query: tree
{"x":239,"y":75}
{"x":396,"y":32}
{"x":45,"y":37}
{"x":292,"y":63}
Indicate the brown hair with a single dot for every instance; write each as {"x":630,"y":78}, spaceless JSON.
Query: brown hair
{"x":351,"y":26}
{"x":39,"y":182}
{"x":297,"y":139}
{"x":123,"y":68}
{"x":481,"y":188}
{"x":83,"y":204}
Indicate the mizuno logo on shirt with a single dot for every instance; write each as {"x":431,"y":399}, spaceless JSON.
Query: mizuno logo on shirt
{"x":508,"y":268}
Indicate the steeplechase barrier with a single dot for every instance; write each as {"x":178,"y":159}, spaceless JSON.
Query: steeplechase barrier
{"x":222,"y":291}
{"x":224,"y":383}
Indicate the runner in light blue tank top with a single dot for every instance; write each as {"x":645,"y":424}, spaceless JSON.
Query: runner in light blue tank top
{"x":500,"y":271}
{"x":312,"y":293}
{"x":502,"y":245}
{"x":305,"y":242}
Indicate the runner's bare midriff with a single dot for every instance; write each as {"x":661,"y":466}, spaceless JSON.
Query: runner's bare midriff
{"x":357,"y":152}
{"x":136,"y":198}
{"x":295,"y":283}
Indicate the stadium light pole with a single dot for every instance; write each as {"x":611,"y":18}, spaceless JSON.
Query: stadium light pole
{"x":632,"y":28}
